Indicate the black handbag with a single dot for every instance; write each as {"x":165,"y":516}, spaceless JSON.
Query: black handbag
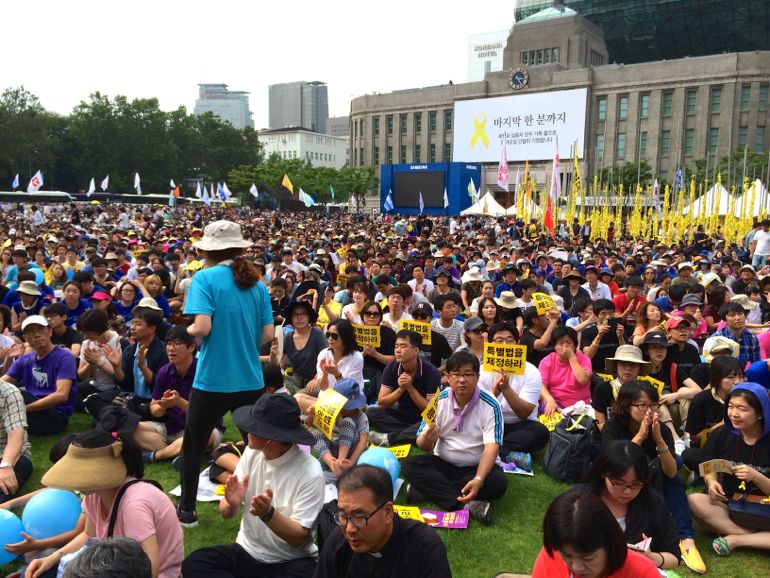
{"x":750,"y":511}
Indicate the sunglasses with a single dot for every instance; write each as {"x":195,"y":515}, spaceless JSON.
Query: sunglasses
{"x":480,"y":329}
{"x":332,"y":335}
{"x":372,"y":313}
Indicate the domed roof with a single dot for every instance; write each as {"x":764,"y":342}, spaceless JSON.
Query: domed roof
{"x":551,"y":13}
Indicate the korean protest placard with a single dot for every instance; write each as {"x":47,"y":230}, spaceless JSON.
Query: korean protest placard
{"x":429,"y":413}
{"x":367,"y":335}
{"x":420,"y":327}
{"x":327,"y":408}
{"x":543,"y":303}
{"x":508,"y":357}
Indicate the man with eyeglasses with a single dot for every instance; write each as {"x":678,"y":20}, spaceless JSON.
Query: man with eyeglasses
{"x":371,"y":539}
{"x":465,"y":440}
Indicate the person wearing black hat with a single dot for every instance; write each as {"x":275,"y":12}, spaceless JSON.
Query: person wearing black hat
{"x":283,"y":489}
{"x":571,"y":290}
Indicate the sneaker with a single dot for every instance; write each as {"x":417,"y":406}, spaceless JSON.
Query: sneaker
{"x":679,"y":446}
{"x":479,"y":509}
{"x":413,"y":495}
{"x":148,"y":457}
{"x":522,"y":460}
{"x":379,"y":439}
{"x":186,"y":519}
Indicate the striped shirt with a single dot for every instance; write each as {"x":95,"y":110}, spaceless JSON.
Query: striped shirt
{"x":13,"y":414}
{"x":453,"y":334}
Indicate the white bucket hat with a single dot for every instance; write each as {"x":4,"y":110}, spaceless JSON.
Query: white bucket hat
{"x":221,"y":235}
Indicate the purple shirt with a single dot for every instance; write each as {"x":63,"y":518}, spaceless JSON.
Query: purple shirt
{"x":168,"y":378}
{"x":39,"y":376}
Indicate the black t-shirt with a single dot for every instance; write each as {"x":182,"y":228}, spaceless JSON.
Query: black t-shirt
{"x":438,"y":351}
{"x":725,"y":445}
{"x":613,"y":430}
{"x":701,"y":374}
{"x":534,"y":356}
{"x":603,"y":397}
{"x":686,"y":359}
{"x":569,"y":299}
{"x":607,"y":346}
{"x":665,"y":373}
{"x":426,"y":381}
{"x":66,"y":339}
{"x":704,"y":412}
{"x":414,"y":549}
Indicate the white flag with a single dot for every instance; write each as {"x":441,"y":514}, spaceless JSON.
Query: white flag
{"x":227,"y":192}
{"x":137,"y":184}
{"x":206,"y":198}
{"x":106,"y":183}
{"x":422,"y":204}
{"x":35,"y":182}
{"x":446,"y":199}
{"x":198,"y":190}
{"x":172,"y":184}
{"x":91,"y":188}
{"x":253,"y":190}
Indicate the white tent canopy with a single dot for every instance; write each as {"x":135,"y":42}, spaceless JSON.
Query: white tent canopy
{"x":760,"y":200}
{"x":486,"y":205}
{"x":710,"y":198}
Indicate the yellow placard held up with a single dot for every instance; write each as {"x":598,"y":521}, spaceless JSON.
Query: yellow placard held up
{"x":327,"y":408}
{"x":429,"y":413}
{"x":420,"y":327}
{"x":508,"y":357}
{"x":543,"y":302}
{"x":367,"y":335}
{"x":408,"y":513}
{"x":656,"y":383}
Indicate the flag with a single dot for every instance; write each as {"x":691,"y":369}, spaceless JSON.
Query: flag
{"x":206,"y":198}
{"x":105,"y":183}
{"x":137,"y":184}
{"x":212,"y":196}
{"x":177,"y":192}
{"x":287,"y":183}
{"x":678,"y":179}
{"x":35,"y":182}
{"x":15,"y":183}
{"x":516,"y":182}
{"x":331,"y":192}
{"x":472,"y":191}
{"x":502,"y":170}
{"x":305,"y":198}
{"x":388,"y":204}
{"x":91,"y":188}
{"x":656,"y":197}
{"x":556,"y":178}
{"x":198,"y":193}
{"x":253,"y":190}
{"x":227,"y":192}
{"x":577,"y":182}
{"x":221,"y":192}
{"x":172,"y":184}
{"x":548,"y":219}
{"x":171,"y":198}
{"x":446,"y":199}
{"x":422,"y":204}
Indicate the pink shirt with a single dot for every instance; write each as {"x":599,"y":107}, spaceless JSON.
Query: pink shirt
{"x":764,"y":344}
{"x":560,"y":381}
{"x":144,"y":511}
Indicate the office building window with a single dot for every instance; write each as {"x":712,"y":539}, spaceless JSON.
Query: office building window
{"x":643,"y":144}
{"x":487,"y":67}
{"x":376,"y":157}
{"x":448,"y":120}
{"x":417,"y":153}
{"x":447,"y":152}
{"x":389,"y":158}
{"x":665,"y":142}
{"x":743,"y":136}
{"x":417,"y":123}
{"x":599,"y":146}
{"x":601,"y":108}
{"x":596,"y":59}
{"x":668,"y":103}
{"x":644,"y":106}
{"x":620,"y":146}
{"x":355,"y":157}
{"x":713,"y":140}
{"x":762,"y":104}
{"x":692,"y":101}
{"x":362,"y":130}
{"x":432,"y":120}
{"x":623,"y":107}
{"x":432,"y":157}
{"x":689,"y":141}
{"x":745,"y":97}
{"x":376,"y":126}
{"x":389,"y":125}
{"x":759,"y":140}
{"x":716,"y":99}
{"x":402,"y":123}
{"x":402,"y":154}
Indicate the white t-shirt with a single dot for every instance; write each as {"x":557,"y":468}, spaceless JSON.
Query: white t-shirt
{"x":526,"y":386}
{"x":425,"y":287}
{"x":762,"y":239}
{"x":297,"y":483}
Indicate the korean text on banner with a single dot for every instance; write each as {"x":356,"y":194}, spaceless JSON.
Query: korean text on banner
{"x":367,"y":335}
{"x":656,"y":383}
{"x":418,"y":327}
{"x":510,"y":358}
{"x":327,"y":408}
{"x":408,"y":513}
{"x":543,"y":303}
{"x":429,"y":413}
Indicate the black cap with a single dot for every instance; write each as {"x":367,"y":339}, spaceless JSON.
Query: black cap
{"x":275,"y":416}
{"x":656,"y":337}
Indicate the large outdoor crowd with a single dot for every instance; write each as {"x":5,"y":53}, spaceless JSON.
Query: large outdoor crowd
{"x":159,"y":321}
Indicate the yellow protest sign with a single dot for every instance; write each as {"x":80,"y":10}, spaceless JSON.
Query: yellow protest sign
{"x":543,"y":302}
{"x":408,"y":513}
{"x":367,"y":334}
{"x":429,"y":413}
{"x":550,"y":422}
{"x":508,"y":357}
{"x":420,"y":327}
{"x":327,"y":408}
{"x":604,"y":376}
{"x":656,"y":383}
{"x":399,"y":451}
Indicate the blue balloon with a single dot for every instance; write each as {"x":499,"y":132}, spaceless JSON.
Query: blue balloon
{"x":39,"y":276}
{"x":10,"y":533}
{"x":382,"y":458}
{"x":50,"y":513}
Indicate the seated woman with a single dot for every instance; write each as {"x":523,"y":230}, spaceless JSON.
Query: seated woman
{"x":627,"y":365}
{"x":635,"y":417}
{"x":619,"y":476}
{"x":338,"y":361}
{"x":489,"y":311}
{"x":707,"y":409}
{"x":376,"y":358}
{"x":353,"y":310}
{"x":302,"y":346}
{"x":474,"y":336}
{"x":745,"y":440}
{"x":581,"y":539}
{"x":487,"y":292}
{"x":648,"y":318}
{"x":106,"y":467}
{"x":566,"y":373}
{"x":583,"y":315}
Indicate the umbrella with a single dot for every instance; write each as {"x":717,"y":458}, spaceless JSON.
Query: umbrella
{"x":95,"y":203}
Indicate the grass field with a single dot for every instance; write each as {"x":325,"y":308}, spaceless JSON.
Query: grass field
{"x":509,"y":545}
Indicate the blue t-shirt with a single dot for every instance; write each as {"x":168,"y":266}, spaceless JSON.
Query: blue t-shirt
{"x":73,"y":314}
{"x":126,"y":312}
{"x":39,"y":376}
{"x":229,"y":356}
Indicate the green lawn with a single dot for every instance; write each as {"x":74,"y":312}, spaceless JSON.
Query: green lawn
{"x":509,"y":545}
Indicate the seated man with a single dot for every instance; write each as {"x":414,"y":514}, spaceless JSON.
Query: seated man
{"x":465,"y":440}
{"x":407,"y":385}
{"x":16,"y":466}
{"x":371,"y":539}
{"x":283,"y":489}
{"x":47,"y":376}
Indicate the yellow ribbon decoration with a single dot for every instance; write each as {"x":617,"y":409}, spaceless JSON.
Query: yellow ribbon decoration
{"x":480,"y":133}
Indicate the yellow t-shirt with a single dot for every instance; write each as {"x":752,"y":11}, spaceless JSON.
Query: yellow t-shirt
{"x":323,"y":318}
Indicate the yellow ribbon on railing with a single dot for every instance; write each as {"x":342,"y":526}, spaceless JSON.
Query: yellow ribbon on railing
{"x":480,"y":133}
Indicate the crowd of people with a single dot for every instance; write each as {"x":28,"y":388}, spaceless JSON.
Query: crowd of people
{"x":159,"y":321}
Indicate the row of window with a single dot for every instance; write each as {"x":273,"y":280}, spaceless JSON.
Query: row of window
{"x":403,"y":123}
{"x":542,"y":56}
{"x":691,"y":102}
{"x":417,"y":157}
{"x":310,"y":156}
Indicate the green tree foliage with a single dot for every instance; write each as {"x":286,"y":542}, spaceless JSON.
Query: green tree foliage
{"x":629,"y":174}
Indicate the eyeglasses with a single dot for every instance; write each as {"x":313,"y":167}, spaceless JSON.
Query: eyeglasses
{"x":331,"y":335}
{"x":646,"y":406}
{"x":372,"y":313}
{"x":633,"y":486}
{"x":480,"y":329}
{"x":357,"y":521}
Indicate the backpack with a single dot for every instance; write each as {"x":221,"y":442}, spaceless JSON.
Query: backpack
{"x":568,"y":453}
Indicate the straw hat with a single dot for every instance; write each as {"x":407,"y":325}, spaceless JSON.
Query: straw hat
{"x":629,"y":354}
{"x":741,"y":299}
{"x":507,"y":299}
{"x":719,"y":343}
{"x":574,"y":275}
{"x":472,"y":274}
{"x":221,"y":235}
{"x":28,"y":288}
{"x":88,"y":469}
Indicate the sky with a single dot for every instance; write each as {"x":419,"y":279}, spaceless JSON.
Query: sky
{"x":64,"y":51}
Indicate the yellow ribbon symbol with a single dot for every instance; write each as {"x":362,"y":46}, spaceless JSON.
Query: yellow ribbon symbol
{"x":480,"y":133}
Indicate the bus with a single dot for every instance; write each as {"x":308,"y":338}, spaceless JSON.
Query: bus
{"x":38,"y":197}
